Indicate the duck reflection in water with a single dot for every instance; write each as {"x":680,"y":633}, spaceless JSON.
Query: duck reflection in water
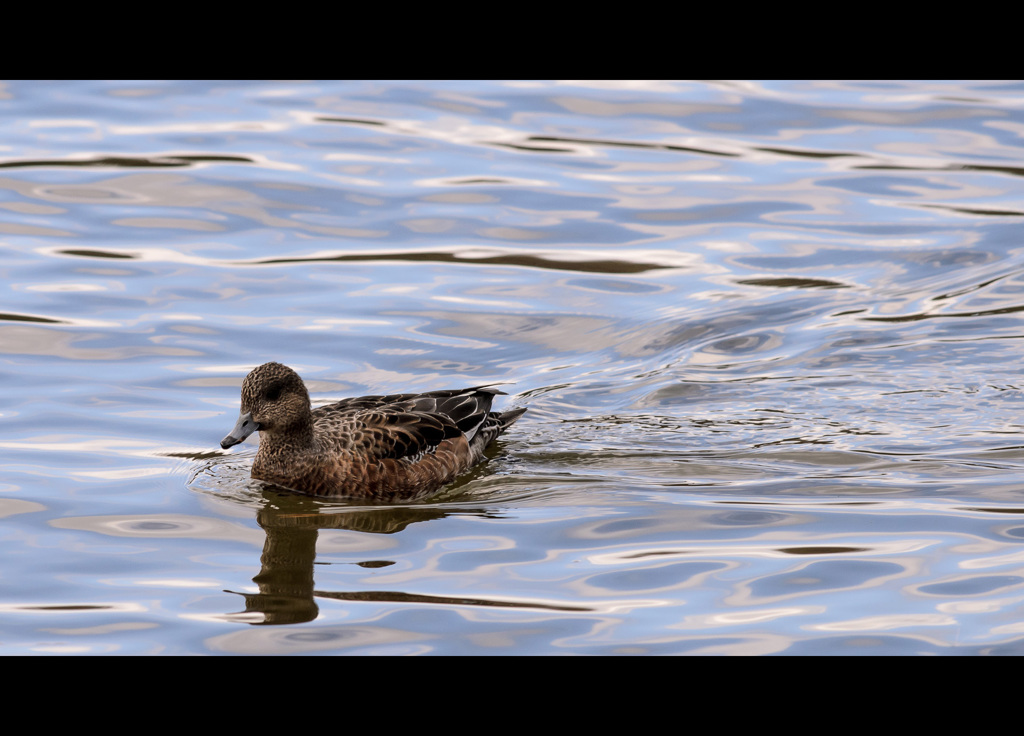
{"x":292,"y":523}
{"x":287,"y":594}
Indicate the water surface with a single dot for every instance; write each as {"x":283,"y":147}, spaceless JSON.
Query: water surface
{"x":769,"y":335}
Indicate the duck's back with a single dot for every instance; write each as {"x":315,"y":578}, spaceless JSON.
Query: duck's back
{"x":403,"y":446}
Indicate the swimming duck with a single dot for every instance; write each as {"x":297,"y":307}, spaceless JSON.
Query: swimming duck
{"x":399,"y":447}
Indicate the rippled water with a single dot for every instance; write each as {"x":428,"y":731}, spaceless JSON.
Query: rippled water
{"x":769,"y":335}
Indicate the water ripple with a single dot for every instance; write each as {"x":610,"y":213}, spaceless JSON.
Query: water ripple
{"x":767,"y":333}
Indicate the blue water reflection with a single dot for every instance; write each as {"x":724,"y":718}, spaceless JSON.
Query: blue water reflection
{"x":768,"y":333}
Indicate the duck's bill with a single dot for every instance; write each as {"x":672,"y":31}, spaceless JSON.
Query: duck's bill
{"x":243,"y":428}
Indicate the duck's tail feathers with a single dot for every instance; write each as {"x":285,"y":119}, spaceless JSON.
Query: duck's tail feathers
{"x":495,"y":424}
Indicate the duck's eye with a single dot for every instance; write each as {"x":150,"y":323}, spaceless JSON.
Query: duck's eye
{"x":273,"y":393}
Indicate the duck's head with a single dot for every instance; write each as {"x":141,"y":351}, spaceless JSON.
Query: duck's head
{"x":274,"y":399}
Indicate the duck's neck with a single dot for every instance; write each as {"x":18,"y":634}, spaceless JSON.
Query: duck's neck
{"x":298,"y":437}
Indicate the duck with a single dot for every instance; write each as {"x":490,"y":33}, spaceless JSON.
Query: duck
{"x":398,"y":447}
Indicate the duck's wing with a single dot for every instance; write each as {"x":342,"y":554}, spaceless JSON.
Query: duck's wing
{"x":390,"y":432}
{"x":466,"y":408}
{"x":414,"y":422}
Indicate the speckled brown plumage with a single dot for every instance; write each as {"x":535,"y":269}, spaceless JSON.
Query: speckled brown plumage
{"x":399,"y":447}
